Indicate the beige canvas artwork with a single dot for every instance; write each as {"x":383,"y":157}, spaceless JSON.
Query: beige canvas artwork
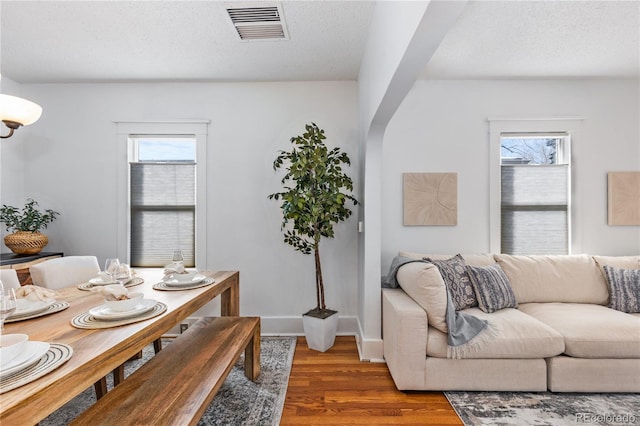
{"x":430,"y":198}
{"x":624,"y":198}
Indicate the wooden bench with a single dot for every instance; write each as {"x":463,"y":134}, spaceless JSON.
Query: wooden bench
{"x":177,"y":385}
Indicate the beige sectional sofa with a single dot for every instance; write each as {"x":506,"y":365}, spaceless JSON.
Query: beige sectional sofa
{"x":561,"y":336}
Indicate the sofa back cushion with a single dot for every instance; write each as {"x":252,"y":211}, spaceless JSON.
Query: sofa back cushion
{"x":622,"y":262}
{"x":568,"y":278}
{"x":424,"y":284}
{"x":469,"y":259}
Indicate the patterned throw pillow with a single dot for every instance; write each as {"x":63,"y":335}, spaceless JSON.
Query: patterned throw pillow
{"x":492,"y":287}
{"x":456,"y":278}
{"x":624,"y":289}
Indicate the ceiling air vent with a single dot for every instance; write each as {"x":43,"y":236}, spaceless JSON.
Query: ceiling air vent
{"x":259,"y":23}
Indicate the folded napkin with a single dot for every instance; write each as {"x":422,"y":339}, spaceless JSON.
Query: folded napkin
{"x":173,"y":268}
{"x":106,"y":278}
{"x":35,"y":293}
{"x":112,"y":291}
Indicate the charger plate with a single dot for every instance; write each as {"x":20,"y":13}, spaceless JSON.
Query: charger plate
{"x":88,"y":321}
{"x":167,"y":287}
{"x":51,"y":309}
{"x":57,"y":355}
{"x":89,"y":285}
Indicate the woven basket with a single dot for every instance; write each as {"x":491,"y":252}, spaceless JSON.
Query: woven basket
{"x":26,"y":242}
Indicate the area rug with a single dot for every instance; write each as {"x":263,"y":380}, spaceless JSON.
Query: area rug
{"x":545,"y":408}
{"x":238,"y":402}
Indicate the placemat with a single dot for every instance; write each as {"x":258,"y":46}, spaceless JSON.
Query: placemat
{"x":164,"y":287}
{"x":58,"y":354}
{"x":86,"y":320}
{"x":53,"y":308}
{"x":134,"y":281}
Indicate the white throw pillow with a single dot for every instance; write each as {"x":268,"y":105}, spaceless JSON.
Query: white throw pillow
{"x":424,"y":284}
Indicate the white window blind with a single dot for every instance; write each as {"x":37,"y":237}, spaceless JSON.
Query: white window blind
{"x":163,"y":205}
{"x":535,"y":209}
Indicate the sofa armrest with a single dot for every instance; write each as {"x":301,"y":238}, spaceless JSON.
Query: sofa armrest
{"x":404,"y":328}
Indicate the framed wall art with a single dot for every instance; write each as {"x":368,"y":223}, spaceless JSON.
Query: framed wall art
{"x":623,"y":198}
{"x":430,"y":199}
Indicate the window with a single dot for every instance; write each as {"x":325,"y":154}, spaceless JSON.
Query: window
{"x":162,"y":199}
{"x":534,"y":193}
{"x":161,"y":192}
{"x":530,"y":191}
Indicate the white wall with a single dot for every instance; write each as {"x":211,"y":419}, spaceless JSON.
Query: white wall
{"x":70,"y":166}
{"x":11,"y":158}
{"x":442,"y":127}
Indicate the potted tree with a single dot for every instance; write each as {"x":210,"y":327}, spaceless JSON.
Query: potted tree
{"x":313,"y":201}
{"x":26,"y":224}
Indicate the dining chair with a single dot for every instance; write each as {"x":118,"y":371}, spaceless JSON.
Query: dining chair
{"x":9,"y":278}
{"x":64,"y":271}
{"x":67,"y":271}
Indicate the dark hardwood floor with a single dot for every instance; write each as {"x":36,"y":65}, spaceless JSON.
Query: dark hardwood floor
{"x":335,"y":388}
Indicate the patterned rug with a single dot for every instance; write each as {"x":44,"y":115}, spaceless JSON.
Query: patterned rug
{"x":545,"y":408}
{"x":238,"y":402}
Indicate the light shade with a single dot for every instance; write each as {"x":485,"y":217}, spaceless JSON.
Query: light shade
{"x":18,"y":110}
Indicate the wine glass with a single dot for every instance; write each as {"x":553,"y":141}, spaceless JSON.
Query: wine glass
{"x":111,"y":267}
{"x":122,"y":274}
{"x":178,"y":257}
{"x":7,"y":304}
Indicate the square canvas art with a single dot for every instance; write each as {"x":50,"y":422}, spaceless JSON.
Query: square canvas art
{"x":624,"y":198}
{"x":430,"y":198}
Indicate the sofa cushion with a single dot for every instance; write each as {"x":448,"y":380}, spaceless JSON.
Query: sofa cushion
{"x":590,"y":331}
{"x":469,"y":259}
{"x":424,"y":284}
{"x":624,"y":262}
{"x":517,"y":336}
{"x":492,"y":288}
{"x":624,"y":289}
{"x":568,"y":278}
{"x":456,"y":278}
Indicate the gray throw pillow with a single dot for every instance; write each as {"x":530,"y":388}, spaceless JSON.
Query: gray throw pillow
{"x":624,"y":289}
{"x":456,"y":278}
{"x":492,"y":287}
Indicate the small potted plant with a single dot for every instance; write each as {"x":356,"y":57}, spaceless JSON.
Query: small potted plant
{"x":26,"y":224}
{"x":313,"y":201}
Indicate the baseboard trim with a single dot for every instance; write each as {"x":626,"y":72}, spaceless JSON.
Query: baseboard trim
{"x":368,"y":349}
{"x":292,"y":326}
{"x":287,"y":326}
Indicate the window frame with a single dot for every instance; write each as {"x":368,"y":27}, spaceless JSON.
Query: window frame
{"x":127,"y":130}
{"x":548,"y":126}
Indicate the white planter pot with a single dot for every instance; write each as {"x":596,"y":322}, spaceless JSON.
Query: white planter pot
{"x":320,"y":333}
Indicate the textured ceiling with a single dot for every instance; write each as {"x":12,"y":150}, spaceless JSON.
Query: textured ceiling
{"x":70,"y":41}
{"x":128,"y":41}
{"x":541,"y":39}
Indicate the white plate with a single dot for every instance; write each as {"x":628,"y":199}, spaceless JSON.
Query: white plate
{"x":102,"y":312}
{"x":28,"y":307}
{"x":100,"y":281}
{"x":175,"y":283}
{"x":32,"y":353}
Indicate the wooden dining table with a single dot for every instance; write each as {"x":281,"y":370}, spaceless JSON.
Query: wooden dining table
{"x":96,"y":352}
